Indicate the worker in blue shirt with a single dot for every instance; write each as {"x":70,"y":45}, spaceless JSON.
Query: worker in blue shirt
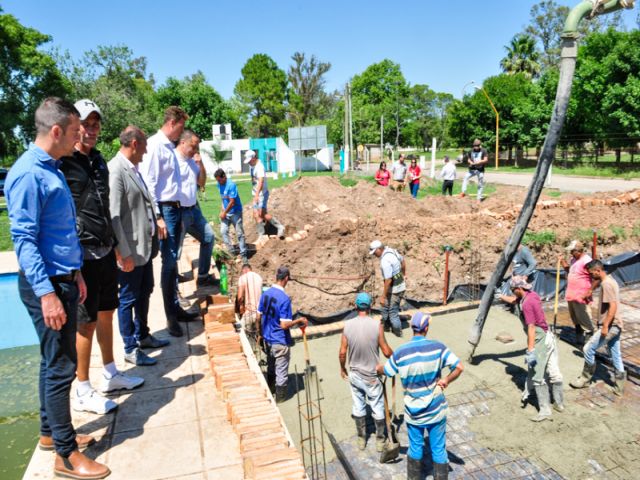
{"x":230,"y":213}
{"x":43,"y":229}
{"x":276,"y":319}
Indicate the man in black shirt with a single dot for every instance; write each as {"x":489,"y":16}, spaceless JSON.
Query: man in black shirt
{"x":477,"y":159}
{"x":88,"y":179}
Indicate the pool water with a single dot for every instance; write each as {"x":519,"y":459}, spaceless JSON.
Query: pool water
{"x":19,"y":366}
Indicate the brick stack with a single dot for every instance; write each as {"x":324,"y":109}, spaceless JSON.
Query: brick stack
{"x":264,"y":445}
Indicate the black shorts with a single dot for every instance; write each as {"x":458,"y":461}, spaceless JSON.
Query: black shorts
{"x":101,"y":277}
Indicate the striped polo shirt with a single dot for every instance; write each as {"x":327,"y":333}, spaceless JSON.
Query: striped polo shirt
{"x":419,"y":364}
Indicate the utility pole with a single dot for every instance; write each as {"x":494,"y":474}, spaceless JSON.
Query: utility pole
{"x":381,"y":138}
{"x":351,"y":163}
{"x":397,"y":115}
{"x":347,"y":142}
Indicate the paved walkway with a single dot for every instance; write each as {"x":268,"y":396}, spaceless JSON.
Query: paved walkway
{"x":173,"y":427}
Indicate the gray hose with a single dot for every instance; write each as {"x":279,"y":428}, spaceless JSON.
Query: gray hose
{"x":567,"y":68}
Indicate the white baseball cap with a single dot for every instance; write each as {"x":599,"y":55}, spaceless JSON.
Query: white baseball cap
{"x":249,"y":155}
{"x":86,"y":107}
{"x":373,"y":246}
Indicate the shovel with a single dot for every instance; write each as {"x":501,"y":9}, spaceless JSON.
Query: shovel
{"x":392,"y":446}
{"x":555,"y":304}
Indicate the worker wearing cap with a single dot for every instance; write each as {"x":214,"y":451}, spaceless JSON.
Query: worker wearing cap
{"x":393,"y":269}
{"x":542,"y":352}
{"x":477,"y":158}
{"x":362,"y":340}
{"x":606,"y":338}
{"x":87,"y":175}
{"x":260,"y":192}
{"x":420,"y":363}
{"x":579,"y":291}
{"x":275,"y":319}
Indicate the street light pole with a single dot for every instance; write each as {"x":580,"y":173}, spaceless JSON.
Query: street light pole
{"x":497,"y":123}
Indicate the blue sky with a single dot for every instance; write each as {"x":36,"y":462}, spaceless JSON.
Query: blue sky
{"x":444,"y":44}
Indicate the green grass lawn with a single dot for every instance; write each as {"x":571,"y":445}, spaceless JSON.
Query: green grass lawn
{"x":578,"y":171}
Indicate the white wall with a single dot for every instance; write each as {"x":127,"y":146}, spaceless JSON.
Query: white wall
{"x":285,"y":156}
{"x":322,"y":161}
{"x":236,"y":147}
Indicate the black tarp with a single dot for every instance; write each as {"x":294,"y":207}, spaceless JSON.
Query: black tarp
{"x":625,"y":268}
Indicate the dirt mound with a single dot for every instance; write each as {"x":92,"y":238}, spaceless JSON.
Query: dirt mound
{"x":332,"y":263}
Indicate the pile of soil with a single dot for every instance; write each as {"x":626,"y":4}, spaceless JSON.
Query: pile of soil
{"x":333,"y":262}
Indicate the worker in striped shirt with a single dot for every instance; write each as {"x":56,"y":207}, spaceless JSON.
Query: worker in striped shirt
{"x":419,"y":363}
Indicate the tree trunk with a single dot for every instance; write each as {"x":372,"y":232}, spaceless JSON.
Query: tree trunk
{"x":618,"y":155}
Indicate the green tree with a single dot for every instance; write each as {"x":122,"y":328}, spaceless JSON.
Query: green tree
{"x":605,"y":108}
{"x":381,"y":90}
{"x":308,"y":99}
{"x":27,"y":76}
{"x":118,"y":82}
{"x":261,"y":95}
{"x":522,"y":56}
{"x":201,"y":101}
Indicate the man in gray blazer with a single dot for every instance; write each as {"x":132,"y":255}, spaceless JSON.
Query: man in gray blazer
{"x":135,"y":227}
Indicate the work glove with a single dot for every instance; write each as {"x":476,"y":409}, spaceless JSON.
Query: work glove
{"x":497,"y":293}
{"x":530,"y":358}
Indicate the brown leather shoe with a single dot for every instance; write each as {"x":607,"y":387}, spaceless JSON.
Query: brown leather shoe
{"x":79,"y":466}
{"x":83,"y":441}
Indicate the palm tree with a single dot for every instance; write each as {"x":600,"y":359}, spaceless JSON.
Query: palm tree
{"x":522,"y":56}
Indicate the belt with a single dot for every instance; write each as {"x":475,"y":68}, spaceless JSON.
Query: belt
{"x":170,"y":204}
{"x":65,"y":278}
{"x":188,"y":208}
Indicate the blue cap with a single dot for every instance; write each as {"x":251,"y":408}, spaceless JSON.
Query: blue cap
{"x":420,"y":321}
{"x":363,"y":300}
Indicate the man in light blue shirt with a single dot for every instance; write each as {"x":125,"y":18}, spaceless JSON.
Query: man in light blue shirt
{"x":43,"y":229}
{"x":230,"y":213}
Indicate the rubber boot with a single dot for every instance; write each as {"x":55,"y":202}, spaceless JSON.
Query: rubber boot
{"x":260,"y":230}
{"x":174,"y":328}
{"x":271,"y":382}
{"x":440,"y":471}
{"x":585,"y":377}
{"x":558,"y":396}
{"x":361,"y":431}
{"x":544,"y":404}
{"x":380,"y":435}
{"x":579,"y":336}
{"x":276,"y":223}
{"x":414,"y":469}
{"x":620,"y":378}
{"x":281,"y":393}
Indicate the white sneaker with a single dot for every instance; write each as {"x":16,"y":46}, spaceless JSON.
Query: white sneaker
{"x":93,"y":402}
{"x":120,"y":381}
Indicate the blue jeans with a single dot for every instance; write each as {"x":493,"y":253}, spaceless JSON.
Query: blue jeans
{"x":365,"y":392}
{"x":194,"y":223}
{"x":391,"y":310}
{"x":474,"y":173}
{"x":414,"y":187}
{"x":169,"y":252}
{"x":437,"y":441}
{"x":135,"y":289}
{"x":614,"y":349}
{"x":234,"y":219}
{"x":58,"y":362}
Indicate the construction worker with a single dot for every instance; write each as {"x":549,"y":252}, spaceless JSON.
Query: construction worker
{"x":276,"y":319}
{"x":362,"y":339}
{"x":542,"y":353}
{"x":249,"y":291}
{"x":393,"y":269}
{"x":260,"y":192}
{"x":419,"y":363}
{"x":610,"y":328}
{"x":579,"y":291}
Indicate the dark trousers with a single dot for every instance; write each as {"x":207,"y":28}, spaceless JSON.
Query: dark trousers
{"x":135,"y":289}
{"x":58,"y":361}
{"x":447,"y":186}
{"x":169,"y":251}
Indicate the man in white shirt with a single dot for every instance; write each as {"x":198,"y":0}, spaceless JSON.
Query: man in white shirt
{"x":161,"y":173}
{"x":193,"y":176}
{"x":393,"y":269}
{"x":399,"y":174}
{"x":260,"y":191}
{"x":448,"y":175}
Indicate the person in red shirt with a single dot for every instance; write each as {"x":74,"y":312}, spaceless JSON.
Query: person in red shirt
{"x":383,"y":175}
{"x":414,"y":177}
